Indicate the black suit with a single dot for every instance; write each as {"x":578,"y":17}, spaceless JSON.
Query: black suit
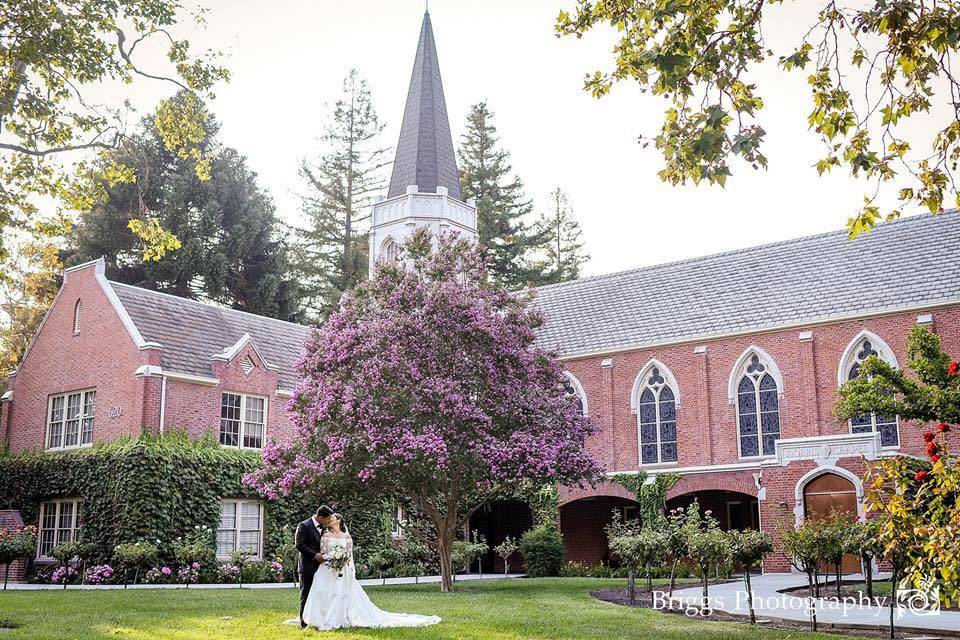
{"x":308,"y":544}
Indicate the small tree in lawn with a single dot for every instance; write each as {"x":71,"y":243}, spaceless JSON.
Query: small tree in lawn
{"x":465,"y":552}
{"x":803,"y":544}
{"x":506,"y":549}
{"x":677,"y":548}
{"x":135,"y":556}
{"x":16,"y":544}
{"x":863,"y":539}
{"x":240,"y":558}
{"x":748,"y":548}
{"x":427,"y":385}
{"x":708,"y":547}
{"x":638,"y":550}
{"x":834,"y":534}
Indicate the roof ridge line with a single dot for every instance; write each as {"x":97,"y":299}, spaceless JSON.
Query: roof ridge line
{"x":912,"y":218}
{"x":211,"y":304}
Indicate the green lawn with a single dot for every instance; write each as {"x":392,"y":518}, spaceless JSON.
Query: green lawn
{"x":509,"y":610}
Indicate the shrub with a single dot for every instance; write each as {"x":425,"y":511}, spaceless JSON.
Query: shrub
{"x":189,"y":574}
{"x":14,"y":545}
{"x":466,"y":551}
{"x":99,"y":574}
{"x":158,"y":575}
{"x":136,"y":557}
{"x":748,"y":548}
{"x":197,"y":547}
{"x":542,"y":550}
{"x":63,"y":575}
{"x":228,"y":573}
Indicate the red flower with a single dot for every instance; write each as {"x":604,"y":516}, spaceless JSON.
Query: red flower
{"x":943,"y":427}
{"x":935,"y":459}
{"x":953,"y":368}
{"x":932,"y":448}
{"x":929,"y":436}
{"x":921,"y":476}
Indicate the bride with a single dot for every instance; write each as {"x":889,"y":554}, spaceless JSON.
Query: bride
{"x":337,"y":600}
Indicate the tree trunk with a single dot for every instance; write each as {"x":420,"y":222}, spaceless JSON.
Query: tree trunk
{"x":814,"y":594}
{"x":816,"y":582}
{"x":868,"y":572}
{"x":746,"y":581}
{"x":632,"y":585}
{"x":838,"y":577}
{"x":649,"y":580}
{"x":893,"y":599}
{"x":673,"y":577}
{"x":445,"y":546}
{"x":6,"y":574}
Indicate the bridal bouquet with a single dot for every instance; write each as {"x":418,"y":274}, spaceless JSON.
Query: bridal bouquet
{"x":337,"y":558}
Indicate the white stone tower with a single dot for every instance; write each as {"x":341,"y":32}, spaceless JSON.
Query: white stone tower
{"x":425,"y":185}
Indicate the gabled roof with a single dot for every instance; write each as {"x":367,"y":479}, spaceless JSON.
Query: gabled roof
{"x":425,"y":154}
{"x":192,"y":332}
{"x":906,"y":264}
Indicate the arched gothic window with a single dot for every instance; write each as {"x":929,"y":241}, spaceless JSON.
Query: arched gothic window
{"x":389,"y":250}
{"x":758,"y":407}
{"x":862,"y":347}
{"x":573,"y":388}
{"x":656,"y":418}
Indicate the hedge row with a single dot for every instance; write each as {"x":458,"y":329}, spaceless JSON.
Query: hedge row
{"x":160,"y":488}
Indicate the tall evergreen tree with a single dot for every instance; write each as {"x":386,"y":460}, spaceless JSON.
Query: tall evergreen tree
{"x":232,"y":249}
{"x":563,"y":247}
{"x":331,"y":249}
{"x":503,"y":210}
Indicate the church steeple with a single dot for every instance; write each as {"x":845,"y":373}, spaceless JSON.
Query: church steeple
{"x":425,"y":154}
{"x":425,"y":185}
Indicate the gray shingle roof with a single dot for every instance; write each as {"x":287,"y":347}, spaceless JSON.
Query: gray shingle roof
{"x":191,"y":332}
{"x":425,"y":151}
{"x":908,"y":263}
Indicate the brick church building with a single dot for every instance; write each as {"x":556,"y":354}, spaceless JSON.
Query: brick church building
{"x":722,"y":369}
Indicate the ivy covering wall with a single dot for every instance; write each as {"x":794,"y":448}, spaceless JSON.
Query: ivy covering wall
{"x":159,"y":489}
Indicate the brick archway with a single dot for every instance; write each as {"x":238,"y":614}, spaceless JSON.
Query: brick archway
{"x":583,"y":522}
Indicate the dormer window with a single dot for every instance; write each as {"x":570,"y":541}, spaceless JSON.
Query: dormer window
{"x":77,"y":316}
{"x":242,"y":420}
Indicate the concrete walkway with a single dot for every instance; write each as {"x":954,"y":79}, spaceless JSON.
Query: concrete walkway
{"x":770,"y":603}
{"x":372,"y":582}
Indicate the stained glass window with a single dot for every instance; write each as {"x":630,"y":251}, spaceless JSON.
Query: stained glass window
{"x":758,"y":410}
{"x":886,"y":426}
{"x":657,"y":420}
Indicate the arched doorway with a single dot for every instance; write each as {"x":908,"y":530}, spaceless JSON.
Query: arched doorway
{"x":583,"y":525}
{"x":826,"y":494}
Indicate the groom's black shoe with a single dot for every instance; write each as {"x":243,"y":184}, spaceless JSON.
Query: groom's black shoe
{"x":303,"y":625}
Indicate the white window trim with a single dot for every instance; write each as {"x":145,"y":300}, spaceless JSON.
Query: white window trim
{"x":885,"y":353}
{"x":63,"y":434}
{"x":578,"y":391}
{"x":397,"y":518}
{"x":738,"y":374}
{"x":236,"y":542}
{"x":77,"y":316}
{"x":243,"y":421}
{"x":74,"y":527}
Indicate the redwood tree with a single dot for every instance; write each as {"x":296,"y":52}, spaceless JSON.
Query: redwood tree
{"x":427,"y":384}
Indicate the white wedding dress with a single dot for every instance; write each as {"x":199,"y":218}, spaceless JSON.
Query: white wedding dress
{"x":338,"y":601}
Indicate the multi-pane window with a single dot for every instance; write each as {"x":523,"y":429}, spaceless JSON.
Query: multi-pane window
{"x":59,"y":523}
{"x":241,"y":525}
{"x":886,"y":426}
{"x":242,"y":420}
{"x":758,"y":410}
{"x":397,"y":518}
{"x":657,"y":418}
{"x":70,"y":419}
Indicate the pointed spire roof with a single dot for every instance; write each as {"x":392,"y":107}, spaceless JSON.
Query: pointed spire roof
{"x":425,"y":154}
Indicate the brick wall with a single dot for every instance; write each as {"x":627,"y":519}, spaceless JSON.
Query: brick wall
{"x":102,"y":355}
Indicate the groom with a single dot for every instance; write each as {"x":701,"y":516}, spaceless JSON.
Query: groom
{"x":309,"y":533}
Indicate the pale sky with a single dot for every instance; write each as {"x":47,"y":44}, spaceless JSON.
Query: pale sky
{"x":288,"y":58}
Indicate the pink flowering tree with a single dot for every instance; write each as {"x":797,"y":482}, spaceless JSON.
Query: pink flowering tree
{"x":427,"y":385}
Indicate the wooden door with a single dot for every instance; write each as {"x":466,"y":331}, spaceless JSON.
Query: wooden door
{"x":826,"y":494}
